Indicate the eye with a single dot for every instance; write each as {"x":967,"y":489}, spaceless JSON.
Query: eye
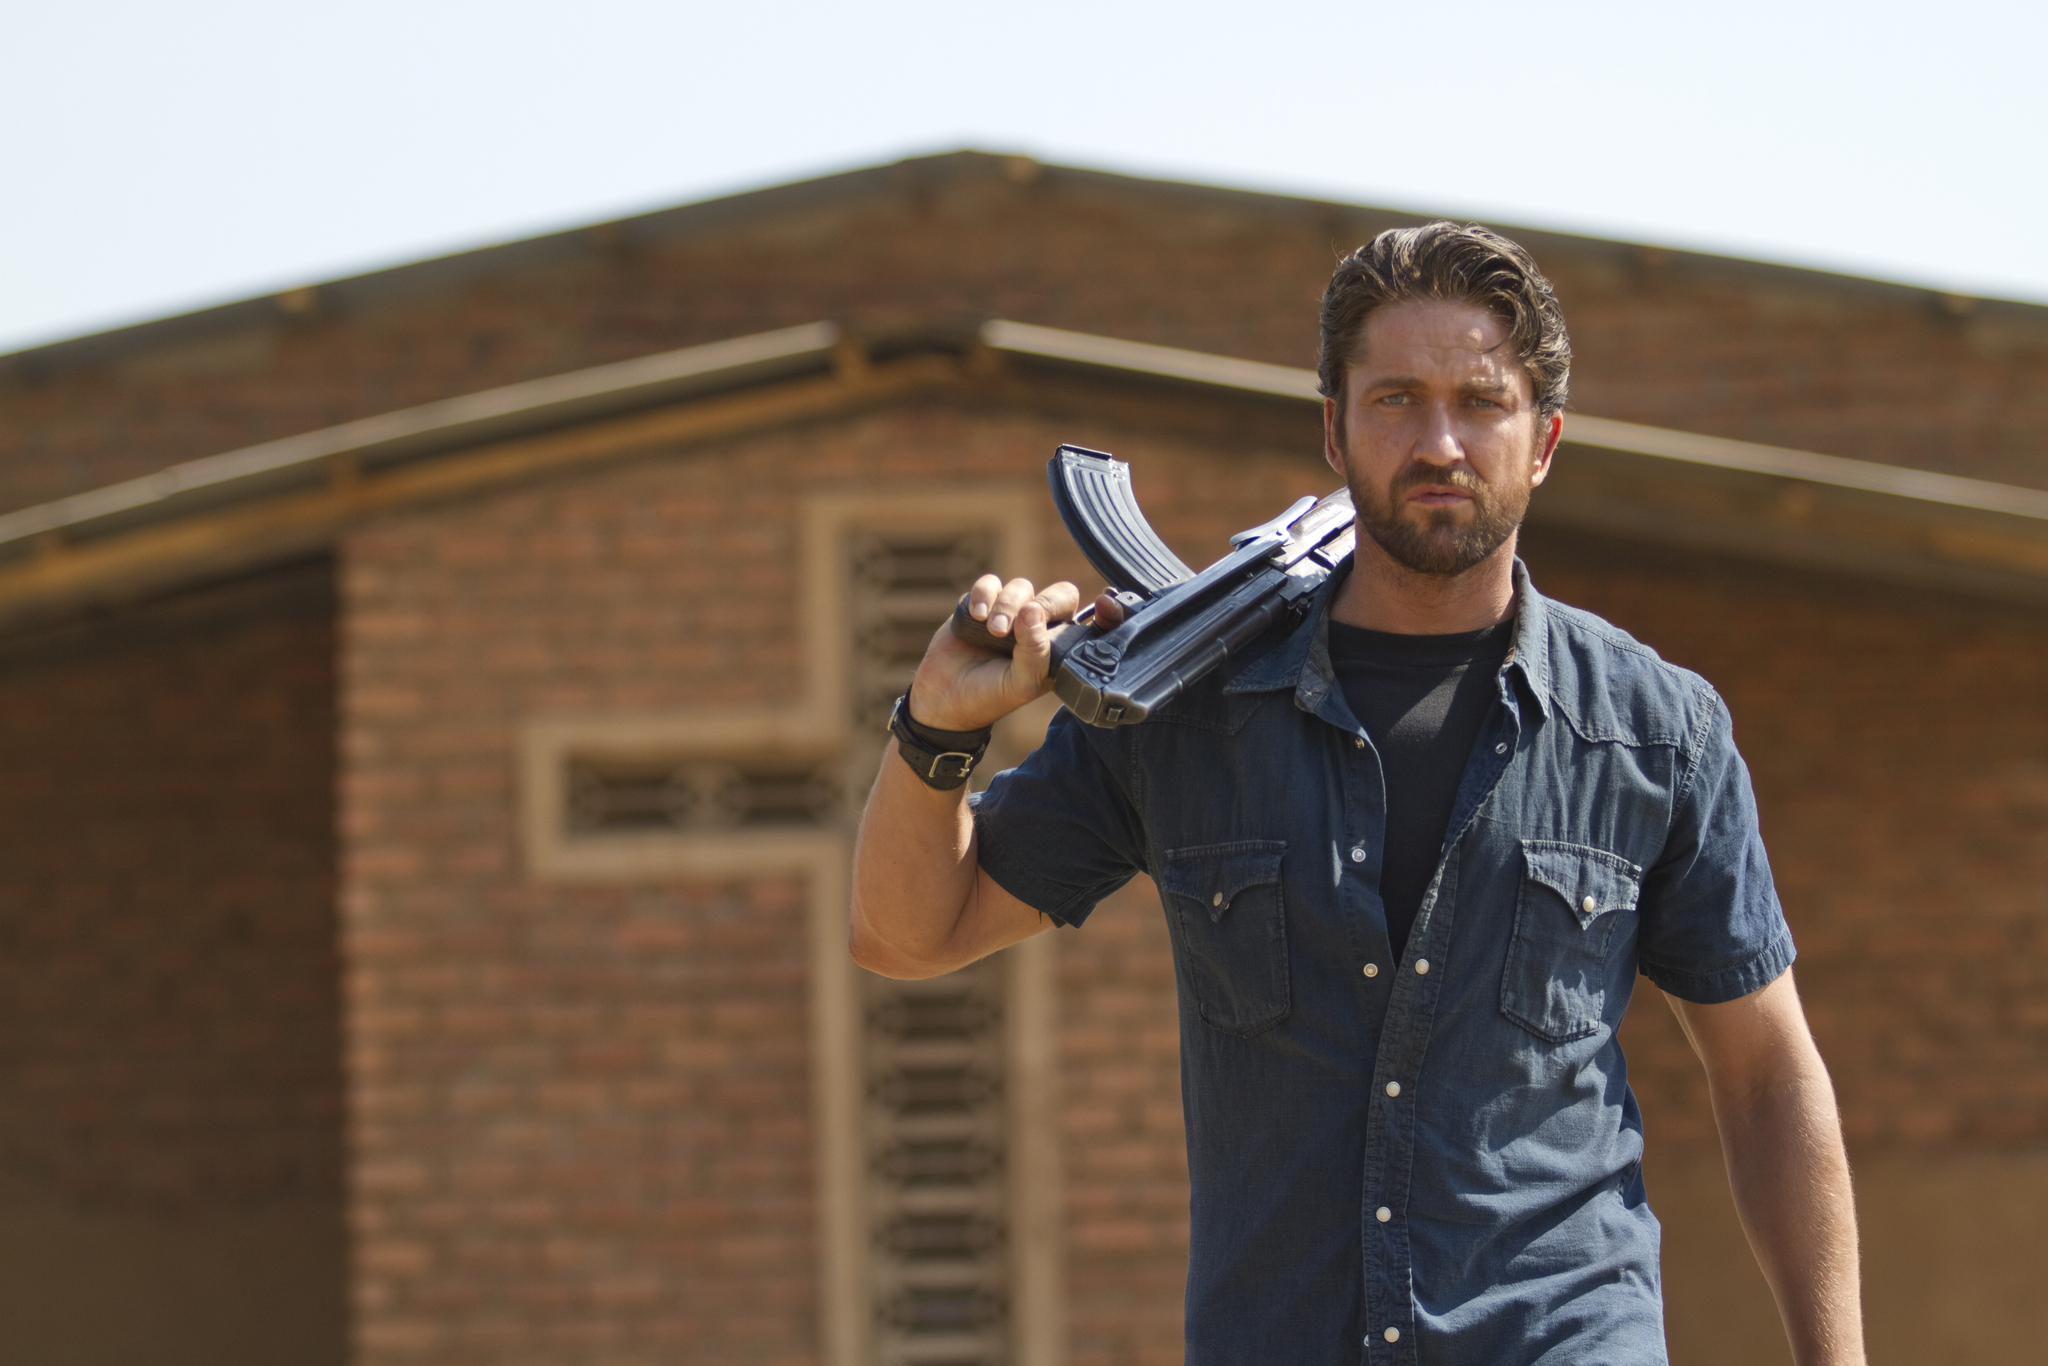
{"x":1394,"y":400}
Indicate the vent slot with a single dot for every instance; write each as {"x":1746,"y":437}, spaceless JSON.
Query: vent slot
{"x":612,"y":797}
{"x":934,"y":1114}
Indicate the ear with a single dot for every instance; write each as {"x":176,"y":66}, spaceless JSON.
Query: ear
{"x":1333,"y":447}
{"x":1551,"y":437}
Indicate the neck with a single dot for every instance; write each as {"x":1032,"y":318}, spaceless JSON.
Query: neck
{"x":1384,"y":595}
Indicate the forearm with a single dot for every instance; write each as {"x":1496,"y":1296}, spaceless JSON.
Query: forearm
{"x":1790,"y":1179}
{"x":914,"y":874}
{"x":921,"y":904}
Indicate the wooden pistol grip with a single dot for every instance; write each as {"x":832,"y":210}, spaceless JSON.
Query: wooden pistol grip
{"x":976,"y":633}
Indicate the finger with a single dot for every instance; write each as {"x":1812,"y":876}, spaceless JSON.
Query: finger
{"x":1008,"y":602}
{"x":982,"y":596}
{"x":1060,"y":601}
{"x":1109,"y":613}
{"x":1032,"y":660}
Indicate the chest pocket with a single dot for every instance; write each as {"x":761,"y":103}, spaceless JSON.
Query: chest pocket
{"x":1574,"y":901}
{"x":1230,"y":926}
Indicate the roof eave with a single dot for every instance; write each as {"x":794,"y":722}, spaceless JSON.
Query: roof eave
{"x":240,"y":509}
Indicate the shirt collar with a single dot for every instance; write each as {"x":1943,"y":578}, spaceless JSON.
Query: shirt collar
{"x":1530,"y":655}
{"x":1302,"y":660}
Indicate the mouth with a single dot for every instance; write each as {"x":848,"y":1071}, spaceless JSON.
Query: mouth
{"x":1438,"y":496}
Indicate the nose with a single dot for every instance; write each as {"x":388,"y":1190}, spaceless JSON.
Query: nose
{"x":1438,"y":443}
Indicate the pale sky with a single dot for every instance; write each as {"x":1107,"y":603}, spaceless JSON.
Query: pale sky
{"x":158,"y":157}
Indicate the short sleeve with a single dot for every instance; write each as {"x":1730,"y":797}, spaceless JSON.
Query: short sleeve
{"x":1712,"y":929}
{"x":1060,"y":832}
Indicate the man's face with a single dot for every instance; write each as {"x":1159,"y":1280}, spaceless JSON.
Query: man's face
{"x":1440,"y":439}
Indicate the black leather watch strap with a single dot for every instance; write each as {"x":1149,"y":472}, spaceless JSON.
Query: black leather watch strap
{"x":942,"y":759}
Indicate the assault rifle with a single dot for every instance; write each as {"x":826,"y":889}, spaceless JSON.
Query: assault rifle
{"x":1178,"y":625}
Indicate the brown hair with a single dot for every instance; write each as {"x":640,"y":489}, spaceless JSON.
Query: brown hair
{"x":1461,"y":264}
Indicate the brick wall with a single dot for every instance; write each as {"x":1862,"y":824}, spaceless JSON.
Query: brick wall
{"x":581,"y":1122}
{"x":169,"y":1044}
{"x":1126,"y":1155}
{"x":1900,"y":756}
{"x":1794,"y":358}
{"x":583,"y":1116}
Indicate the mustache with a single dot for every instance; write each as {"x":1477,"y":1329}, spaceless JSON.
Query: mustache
{"x":1456,"y":476}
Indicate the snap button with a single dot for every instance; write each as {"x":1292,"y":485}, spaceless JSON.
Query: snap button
{"x":1372,"y":969}
{"x":1383,"y":1214}
{"x":1358,"y":853}
{"x":1501,"y":748}
{"x":1589,"y":905}
{"x":1358,"y":742}
{"x":1216,"y":900}
{"x":1393,"y":1088}
{"x":1422,"y":966}
{"x":1393,"y":1335}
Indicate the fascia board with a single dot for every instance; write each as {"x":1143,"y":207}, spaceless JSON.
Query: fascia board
{"x":446,"y":424}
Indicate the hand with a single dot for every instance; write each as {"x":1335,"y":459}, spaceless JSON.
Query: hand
{"x":958,"y":687}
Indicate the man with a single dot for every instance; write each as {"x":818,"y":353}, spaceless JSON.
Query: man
{"x":1413,"y":854}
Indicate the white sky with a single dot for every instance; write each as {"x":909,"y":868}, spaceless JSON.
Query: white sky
{"x":162,"y":156}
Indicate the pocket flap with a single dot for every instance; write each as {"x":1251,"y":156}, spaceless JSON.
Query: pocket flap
{"x":1214,"y":875}
{"x":1591,"y":881}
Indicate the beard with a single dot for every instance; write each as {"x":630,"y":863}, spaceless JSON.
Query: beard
{"x":1439,"y":545}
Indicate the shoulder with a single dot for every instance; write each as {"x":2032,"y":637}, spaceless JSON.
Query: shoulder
{"x":1222,"y":700}
{"x":1607,"y":685}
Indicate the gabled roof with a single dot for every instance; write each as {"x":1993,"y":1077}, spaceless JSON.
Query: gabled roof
{"x":242,"y":509}
{"x":1879,"y":372}
{"x":916,"y":173}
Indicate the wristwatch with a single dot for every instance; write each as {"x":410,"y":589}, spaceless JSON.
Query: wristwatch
{"x":941,"y":759}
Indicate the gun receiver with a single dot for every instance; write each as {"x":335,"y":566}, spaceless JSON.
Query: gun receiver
{"x":1178,"y":624}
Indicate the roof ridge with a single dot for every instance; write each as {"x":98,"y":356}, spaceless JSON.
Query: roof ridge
{"x":914,"y":175}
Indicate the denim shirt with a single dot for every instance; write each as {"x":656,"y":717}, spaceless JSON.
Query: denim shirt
{"x":1435,"y":1160}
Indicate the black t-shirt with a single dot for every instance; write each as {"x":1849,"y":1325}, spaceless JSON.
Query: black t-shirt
{"x":1422,"y":700}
